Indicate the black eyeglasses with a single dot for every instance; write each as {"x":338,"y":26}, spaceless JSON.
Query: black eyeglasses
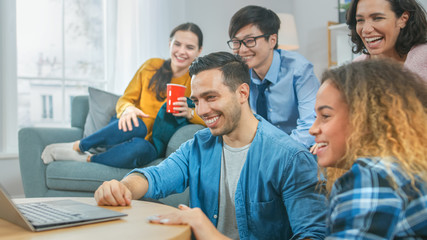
{"x":249,"y":42}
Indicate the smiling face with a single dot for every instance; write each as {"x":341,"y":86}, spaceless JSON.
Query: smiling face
{"x":378,"y":27}
{"x":184,"y":48}
{"x":215,"y":103}
{"x":331,"y":127}
{"x":259,"y":57}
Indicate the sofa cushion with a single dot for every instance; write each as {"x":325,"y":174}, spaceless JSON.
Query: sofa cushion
{"x":102,"y":106}
{"x":83,"y":176}
{"x":80,"y":176}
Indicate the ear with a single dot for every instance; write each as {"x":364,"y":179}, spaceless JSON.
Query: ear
{"x":243,"y":92}
{"x":272,"y":40}
{"x":403,"y":19}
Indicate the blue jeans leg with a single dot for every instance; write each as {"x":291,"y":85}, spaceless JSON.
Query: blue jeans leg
{"x":124,"y":149}
{"x":134,"y":153}
{"x":111,"y":135}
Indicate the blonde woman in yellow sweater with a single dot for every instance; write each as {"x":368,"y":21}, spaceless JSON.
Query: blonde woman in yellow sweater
{"x":127,"y":137}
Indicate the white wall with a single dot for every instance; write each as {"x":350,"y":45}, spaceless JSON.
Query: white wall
{"x":311,"y":18}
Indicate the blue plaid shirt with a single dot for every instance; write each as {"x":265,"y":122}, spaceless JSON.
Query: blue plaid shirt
{"x":365,"y":205}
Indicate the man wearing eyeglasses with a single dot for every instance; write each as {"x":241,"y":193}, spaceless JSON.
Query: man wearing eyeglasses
{"x":283,"y":85}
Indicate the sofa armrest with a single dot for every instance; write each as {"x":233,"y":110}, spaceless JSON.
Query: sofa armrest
{"x":182,"y":135}
{"x":32,"y":141}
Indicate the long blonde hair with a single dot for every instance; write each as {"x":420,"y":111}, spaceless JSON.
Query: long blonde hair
{"x":388,"y":115}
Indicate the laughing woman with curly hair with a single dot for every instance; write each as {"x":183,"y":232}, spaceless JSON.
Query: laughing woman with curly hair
{"x":372,"y":125}
{"x":395,"y":29}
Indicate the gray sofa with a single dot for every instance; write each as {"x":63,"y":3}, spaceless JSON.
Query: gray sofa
{"x":72,"y":178}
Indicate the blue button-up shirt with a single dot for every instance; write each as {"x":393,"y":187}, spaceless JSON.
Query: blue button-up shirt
{"x":365,"y":204}
{"x":291,"y":94}
{"x":276,"y":195}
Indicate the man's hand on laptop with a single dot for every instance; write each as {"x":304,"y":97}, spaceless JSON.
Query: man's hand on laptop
{"x":113,"y":193}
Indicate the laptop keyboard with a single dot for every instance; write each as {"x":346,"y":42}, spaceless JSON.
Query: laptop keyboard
{"x":45,"y":214}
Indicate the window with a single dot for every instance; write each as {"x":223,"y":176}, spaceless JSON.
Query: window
{"x":60,"y":52}
{"x":47,"y":107}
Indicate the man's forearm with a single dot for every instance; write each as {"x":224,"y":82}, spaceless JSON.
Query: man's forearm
{"x":137,"y":184}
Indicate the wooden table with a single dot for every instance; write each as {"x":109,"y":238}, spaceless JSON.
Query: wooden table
{"x":134,"y":226}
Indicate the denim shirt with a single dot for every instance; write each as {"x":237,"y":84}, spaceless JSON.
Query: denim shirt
{"x":291,"y":94}
{"x":275,"y":196}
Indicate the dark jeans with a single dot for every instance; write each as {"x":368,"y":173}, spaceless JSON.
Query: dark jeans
{"x":123,"y":149}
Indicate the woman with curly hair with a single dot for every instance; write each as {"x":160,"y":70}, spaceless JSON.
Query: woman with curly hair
{"x":372,"y":124}
{"x":395,"y":29}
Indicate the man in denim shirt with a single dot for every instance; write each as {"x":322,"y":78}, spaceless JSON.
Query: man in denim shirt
{"x":285,"y":78}
{"x":247,"y":179}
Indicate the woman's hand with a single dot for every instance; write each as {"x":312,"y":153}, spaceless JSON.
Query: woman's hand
{"x":130,"y":115}
{"x":182,"y":106}
{"x":201,"y":226}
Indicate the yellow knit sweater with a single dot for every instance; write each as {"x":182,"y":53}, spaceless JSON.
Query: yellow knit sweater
{"x":139,"y":95}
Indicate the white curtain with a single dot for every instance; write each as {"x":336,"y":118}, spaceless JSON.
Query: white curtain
{"x":8,"y":87}
{"x":136,"y":31}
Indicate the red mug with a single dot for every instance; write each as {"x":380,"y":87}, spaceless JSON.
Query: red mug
{"x":174,"y":91}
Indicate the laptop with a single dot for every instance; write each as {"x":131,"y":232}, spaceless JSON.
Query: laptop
{"x":41,"y":216}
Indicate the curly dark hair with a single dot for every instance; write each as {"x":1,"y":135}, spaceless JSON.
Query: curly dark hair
{"x":413,"y":34}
